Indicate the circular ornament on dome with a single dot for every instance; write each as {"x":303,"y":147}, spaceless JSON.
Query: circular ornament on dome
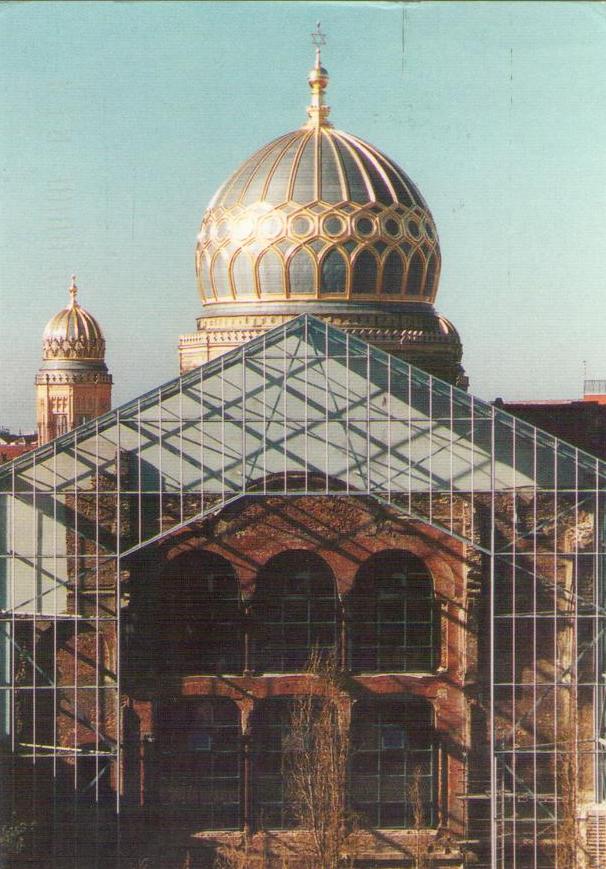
{"x":302,"y":225}
{"x":392,"y":227}
{"x":333,"y":225}
{"x":271,"y":226}
{"x":414,"y":229}
{"x":365,"y":226}
{"x":429,"y":231}
{"x":244,"y":227}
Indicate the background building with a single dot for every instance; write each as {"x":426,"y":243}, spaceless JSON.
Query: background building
{"x":169,"y":566}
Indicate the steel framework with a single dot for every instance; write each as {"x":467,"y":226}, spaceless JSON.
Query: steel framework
{"x":304,"y":403}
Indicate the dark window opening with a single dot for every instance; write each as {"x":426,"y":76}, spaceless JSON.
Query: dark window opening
{"x":198,"y":626}
{"x":393,"y":763}
{"x":414,"y":281}
{"x":392,"y":616}
{"x":294,"y":611}
{"x":270,"y":731}
{"x":198,"y":748}
{"x":364,"y":273}
{"x":333,"y":273}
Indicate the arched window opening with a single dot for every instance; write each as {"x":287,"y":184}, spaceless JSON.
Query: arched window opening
{"x":302,"y":273}
{"x":333,"y":272}
{"x":243,"y":276}
{"x":432,"y":267}
{"x":271,"y":274}
{"x":393,"y":271}
{"x":392,"y":616}
{"x":199,"y":759}
{"x":198,"y":627}
{"x":416,"y":269}
{"x":205,"y":276}
{"x":364,"y":278}
{"x":270,"y":731}
{"x":392,"y":754}
{"x":220,"y":275}
{"x":294,"y":611}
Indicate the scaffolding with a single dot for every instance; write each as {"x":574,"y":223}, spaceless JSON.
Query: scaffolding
{"x":306,"y":409}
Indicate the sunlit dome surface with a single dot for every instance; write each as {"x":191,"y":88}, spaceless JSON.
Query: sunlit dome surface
{"x":318,"y":214}
{"x":73,"y":333}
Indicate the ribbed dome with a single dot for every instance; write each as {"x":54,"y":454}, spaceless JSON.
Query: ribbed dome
{"x":318,"y":213}
{"x":320,"y":222}
{"x":73,"y":333}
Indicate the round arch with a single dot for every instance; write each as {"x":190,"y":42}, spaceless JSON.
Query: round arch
{"x":294,"y":609}
{"x":392,"y":616}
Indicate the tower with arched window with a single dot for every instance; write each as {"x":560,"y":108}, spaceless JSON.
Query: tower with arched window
{"x":73,"y":384}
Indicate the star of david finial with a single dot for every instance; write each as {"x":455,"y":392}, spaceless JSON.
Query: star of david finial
{"x":318,"y":39}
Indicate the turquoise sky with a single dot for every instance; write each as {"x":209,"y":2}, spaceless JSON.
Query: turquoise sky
{"x":119,"y":120}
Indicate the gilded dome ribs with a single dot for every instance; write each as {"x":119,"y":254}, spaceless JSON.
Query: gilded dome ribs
{"x":321,"y":221}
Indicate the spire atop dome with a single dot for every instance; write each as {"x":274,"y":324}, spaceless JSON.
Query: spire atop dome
{"x":318,"y":79}
{"x":73,"y":291}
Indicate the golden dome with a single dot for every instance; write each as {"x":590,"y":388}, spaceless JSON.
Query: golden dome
{"x":318,"y":214}
{"x":73,"y":333}
{"x":321,"y":222}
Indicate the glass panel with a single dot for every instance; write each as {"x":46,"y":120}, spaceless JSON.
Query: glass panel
{"x":305,"y":183}
{"x":394,"y":739}
{"x":244,"y":280}
{"x":330,"y":185}
{"x":333,"y":272}
{"x":414,"y":278}
{"x":364,"y":278}
{"x":392,"y":594}
{"x":294,"y":610}
{"x":197,"y":750}
{"x":357,"y":188}
{"x":393,"y":270}
{"x":302,"y":273}
{"x":272,"y":274}
{"x":432,"y":267}
{"x":220,"y":277}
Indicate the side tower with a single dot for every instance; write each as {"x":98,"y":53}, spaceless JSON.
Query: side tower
{"x":73,"y":384}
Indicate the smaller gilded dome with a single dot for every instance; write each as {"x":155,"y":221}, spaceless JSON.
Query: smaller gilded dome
{"x":73,"y":333}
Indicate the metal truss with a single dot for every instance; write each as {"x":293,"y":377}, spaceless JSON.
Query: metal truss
{"x":306,"y":409}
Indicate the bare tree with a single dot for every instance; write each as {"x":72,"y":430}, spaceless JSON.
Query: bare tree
{"x":317,"y":757}
{"x":415,"y":798}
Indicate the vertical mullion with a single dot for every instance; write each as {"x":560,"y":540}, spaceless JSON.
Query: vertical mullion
{"x":243,"y":407}
{"x":76,"y":579}
{"x":139,"y":478}
{"x":556,"y":689}
{"x":430,"y":448}
{"x":451,"y":460}
{"x":38,"y":565}
{"x":389,"y":431}
{"x":181,"y":424}
{"x":514,"y":669}
{"x":494,"y":769}
{"x":201,"y":421}
{"x":56,"y":613}
{"x":535,"y":651}
{"x":160,"y":470}
{"x":264,"y":412}
{"x":117,"y":615}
